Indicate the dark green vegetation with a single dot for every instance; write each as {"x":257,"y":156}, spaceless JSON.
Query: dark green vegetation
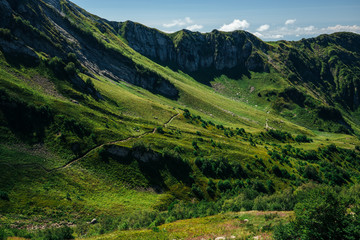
{"x":137,"y":128}
{"x":323,"y":213}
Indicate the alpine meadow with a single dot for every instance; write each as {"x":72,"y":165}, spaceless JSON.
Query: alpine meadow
{"x":115,"y":130}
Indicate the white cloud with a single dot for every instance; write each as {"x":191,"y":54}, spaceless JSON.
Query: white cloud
{"x":305,"y":29}
{"x":264,"y":27}
{"x":275,"y":36}
{"x":309,"y":28}
{"x":342,"y":28}
{"x":269,"y":36}
{"x":272,"y":36}
{"x":235,"y":25}
{"x":290,"y":21}
{"x":178,"y":22}
{"x":194,"y":27}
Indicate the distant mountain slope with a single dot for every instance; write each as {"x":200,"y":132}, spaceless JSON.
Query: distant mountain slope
{"x":314,"y":62}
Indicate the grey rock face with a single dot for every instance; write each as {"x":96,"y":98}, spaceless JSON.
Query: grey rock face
{"x":118,"y":151}
{"x":122,"y":152}
{"x":154,"y":43}
{"x":19,"y":52}
{"x":193,"y":51}
{"x":5,"y":12}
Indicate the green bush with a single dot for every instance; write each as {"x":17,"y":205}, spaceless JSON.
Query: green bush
{"x":56,"y":64}
{"x":303,"y":139}
{"x":187,"y":113}
{"x":197,"y":191}
{"x":311,"y":173}
{"x":280,"y":135}
{"x":195,"y":145}
{"x":285,"y":232}
{"x":5,"y":33}
{"x":224,"y":185}
{"x":55,"y":234}
{"x":71,"y":57}
{"x":70,"y":69}
{"x":160,"y":130}
{"x":320,"y":214}
{"x":4,"y":196}
{"x":276,"y":170}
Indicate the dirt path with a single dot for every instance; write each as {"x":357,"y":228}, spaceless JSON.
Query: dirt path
{"x":111,"y":143}
{"x":172,"y":118}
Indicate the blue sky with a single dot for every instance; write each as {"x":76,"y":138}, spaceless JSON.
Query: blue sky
{"x":269,"y":20}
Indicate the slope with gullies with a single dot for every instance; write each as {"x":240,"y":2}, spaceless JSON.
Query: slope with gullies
{"x":135,"y":127}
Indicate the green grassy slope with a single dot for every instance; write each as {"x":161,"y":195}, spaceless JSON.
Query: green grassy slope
{"x":78,"y":143}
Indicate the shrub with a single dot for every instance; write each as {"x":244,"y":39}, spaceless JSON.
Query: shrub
{"x":56,"y":234}
{"x":285,"y":232}
{"x":70,"y":69}
{"x":220,"y":127}
{"x":280,"y":135}
{"x":276,"y":170}
{"x":311,"y":173}
{"x":160,"y":130}
{"x":302,"y":139}
{"x":259,"y":204}
{"x":194,"y":144}
{"x":321,"y":215}
{"x":71,"y":57}
{"x":56,"y":64}
{"x":90,"y":84}
{"x":270,"y":186}
{"x":240,"y":132}
{"x":4,"y":196}
{"x":224,"y":185}
{"x":187,"y":113}
{"x":211,"y":191}
{"x":5,"y":33}
{"x":259,"y":187}
{"x":197,"y":191}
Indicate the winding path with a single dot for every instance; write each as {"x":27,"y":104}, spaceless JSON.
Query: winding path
{"x":110,"y":143}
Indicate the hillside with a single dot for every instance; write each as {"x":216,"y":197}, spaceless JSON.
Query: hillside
{"x":137,"y":128}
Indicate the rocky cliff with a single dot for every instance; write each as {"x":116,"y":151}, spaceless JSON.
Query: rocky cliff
{"x":193,"y":51}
